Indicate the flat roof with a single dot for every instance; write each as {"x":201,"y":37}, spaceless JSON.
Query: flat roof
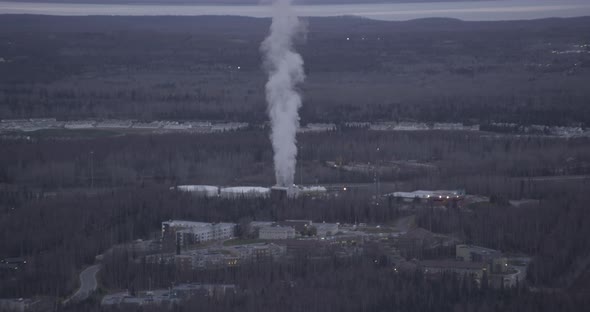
{"x":452,"y":264}
{"x":428,"y":194}
{"x":183,"y":223}
{"x":479,"y":249}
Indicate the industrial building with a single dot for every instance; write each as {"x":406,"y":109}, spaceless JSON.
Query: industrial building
{"x":199,"y":190}
{"x":428,"y":196}
{"x":281,"y":193}
{"x":244,"y":192}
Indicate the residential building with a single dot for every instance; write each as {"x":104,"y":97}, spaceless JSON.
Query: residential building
{"x":182,"y":233}
{"x":255,"y":226}
{"x":276,"y":232}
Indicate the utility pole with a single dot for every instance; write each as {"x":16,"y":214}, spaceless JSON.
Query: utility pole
{"x":300,"y":165}
{"x":92,"y":170}
{"x":377,"y":172}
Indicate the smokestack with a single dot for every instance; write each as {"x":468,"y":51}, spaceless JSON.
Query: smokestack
{"x":284,"y":67}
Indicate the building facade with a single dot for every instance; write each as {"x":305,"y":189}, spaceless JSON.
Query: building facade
{"x":276,"y":232}
{"x":326,"y":229}
{"x":184,"y":233}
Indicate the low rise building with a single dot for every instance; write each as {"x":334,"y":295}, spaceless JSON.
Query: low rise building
{"x":428,"y":196}
{"x":114,"y":124}
{"x":255,"y":226}
{"x":476,"y":269}
{"x":472,"y":253}
{"x":300,"y":226}
{"x":184,"y":233}
{"x":317,"y":127}
{"x":80,"y":124}
{"x":326,"y":229}
{"x":166,"y":297}
{"x":26,"y":304}
{"x":413,"y":242}
{"x":276,"y":232}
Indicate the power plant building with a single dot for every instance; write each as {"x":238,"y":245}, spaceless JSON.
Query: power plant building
{"x":244,"y":192}
{"x":199,"y":190}
{"x":427,"y":196}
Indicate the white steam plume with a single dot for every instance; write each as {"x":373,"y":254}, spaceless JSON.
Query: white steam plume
{"x":285,"y":70}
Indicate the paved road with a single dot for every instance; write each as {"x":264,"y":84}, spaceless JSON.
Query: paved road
{"x":88,"y":284}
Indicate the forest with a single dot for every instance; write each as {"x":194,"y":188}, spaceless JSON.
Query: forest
{"x":209,"y":68}
{"x":68,"y":196}
{"x":63,"y":221}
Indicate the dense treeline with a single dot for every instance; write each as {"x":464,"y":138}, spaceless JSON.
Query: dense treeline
{"x":351,"y":285}
{"x":50,"y":214}
{"x":210,"y":68}
{"x":480,"y":162}
{"x":59,"y":235}
{"x":67,"y":196}
{"x":553,"y":231}
{"x":62,"y":234}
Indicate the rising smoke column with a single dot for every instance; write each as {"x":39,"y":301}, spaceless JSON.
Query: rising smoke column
{"x":285,"y":71}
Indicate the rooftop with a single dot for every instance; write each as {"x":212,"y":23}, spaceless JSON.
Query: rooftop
{"x":429,"y":194}
{"x":191,"y":224}
{"x":452,"y":264}
{"x":479,"y":250}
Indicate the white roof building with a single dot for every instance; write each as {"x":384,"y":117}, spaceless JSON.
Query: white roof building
{"x":204,"y":190}
{"x":244,"y":191}
{"x":424,"y":195}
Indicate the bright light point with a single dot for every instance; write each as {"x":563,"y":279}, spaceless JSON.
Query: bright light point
{"x":347,"y":39}
{"x":344,"y":189}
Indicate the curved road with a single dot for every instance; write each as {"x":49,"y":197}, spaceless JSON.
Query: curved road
{"x":88,"y":284}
